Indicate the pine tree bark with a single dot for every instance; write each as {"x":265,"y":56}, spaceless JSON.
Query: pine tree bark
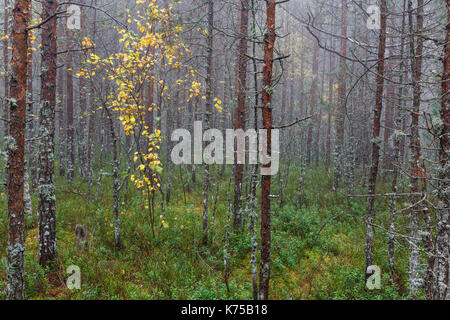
{"x":46,"y":188}
{"x":254,"y":214}
{"x":370,"y":215}
{"x":30,"y":149}
{"x":5,"y":66}
{"x":269,"y":44}
{"x":16,"y":151}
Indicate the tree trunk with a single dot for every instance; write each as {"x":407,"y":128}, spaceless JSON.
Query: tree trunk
{"x":82,"y":136}
{"x":115,"y":169}
{"x":313,"y":101}
{"x":416,"y":160}
{"x":5,"y":66}
{"x":16,"y":151}
{"x":61,"y":124}
{"x":30,"y":106}
{"x":340,"y":116}
{"x":91,"y":126}
{"x":28,"y":205}
{"x":370,"y":215}
{"x":443,"y":233}
{"x":330,"y":111}
{"x":397,"y":160}
{"x":208,"y":110}
{"x":269,"y":43}
{"x":389,"y":116}
{"x":254,"y":214}
{"x":46,"y":189}
{"x":241,"y":112}
{"x":69,"y":108}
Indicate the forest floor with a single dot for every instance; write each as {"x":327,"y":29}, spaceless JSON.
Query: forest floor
{"x":317,"y":250}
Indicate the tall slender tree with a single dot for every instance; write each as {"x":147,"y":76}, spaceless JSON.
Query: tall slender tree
{"x":417,"y":169}
{"x":208,"y":110}
{"x":269,"y":44}
{"x":5,"y":64}
{"x":69,"y":109}
{"x":312,"y":104}
{"x":340,"y":112}
{"x":443,"y":233}
{"x":376,"y":142}
{"x":16,"y":150}
{"x":241,"y":112}
{"x":46,"y":188}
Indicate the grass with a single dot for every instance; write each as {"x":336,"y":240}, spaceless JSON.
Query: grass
{"x":317,"y":250}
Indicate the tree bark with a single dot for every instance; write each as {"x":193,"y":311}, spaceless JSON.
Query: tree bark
{"x":208,"y":111}
{"x":16,"y":151}
{"x":397,"y":154}
{"x":443,"y":233}
{"x":69,"y":108}
{"x":240,"y":112}
{"x":269,"y":43}
{"x":417,"y":169}
{"x":5,"y":66}
{"x":330,"y":112}
{"x":340,"y":116}
{"x":389,"y":117}
{"x":61,"y":122}
{"x":370,"y":215}
{"x":313,"y":101}
{"x":82,"y":136}
{"x":46,"y":188}
{"x":30,"y":148}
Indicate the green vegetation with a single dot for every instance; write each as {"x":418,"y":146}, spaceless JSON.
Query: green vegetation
{"x":317,"y":250}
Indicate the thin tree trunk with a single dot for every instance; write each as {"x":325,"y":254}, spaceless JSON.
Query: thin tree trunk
{"x":318,"y":139}
{"x":92,"y":120}
{"x":16,"y":151}
{"x":269,"y":43}
{"x":370,"y":215}
{"x":30,"y":106}
{"x":416,"y":161}
{"x":389,"y":118}
{"x":241,"y":112}
{"x":5,"y":66}
{"x":61,"y":124}
{"x":115,"y":169}
{"x":46,"y":189}
{"x":28,"y":206}
{"x":443,"y":233}
{"x":396,"y":161}
{"x":313,"y":101}
{"x":69,"y":108}
{"x":340,"y":116}
{"x":208,"y":111}
{"x":330,"y":111}
{"x":82,"y":91}
{"x":254,"y":214}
